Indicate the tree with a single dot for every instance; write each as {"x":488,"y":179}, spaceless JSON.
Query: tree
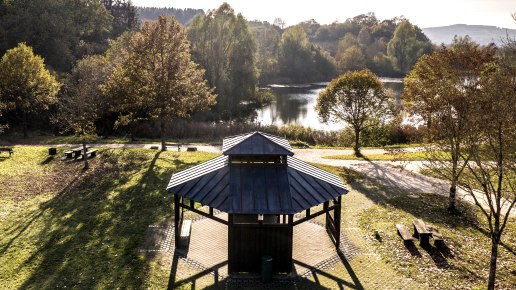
{"x":491,"y":176}
{"x":125,"y":16}
{"x":351,"y":59}
{"x":61,"y":31}
{"x":438,"y":90}
{"x":407,"y":45}
{"x":157,"y":76}
{"x":279,"y":22}
{"x":357,"y":98}
{"x":81,"y":102}
{"x":25,"y":84}
{"x":224,"y":46}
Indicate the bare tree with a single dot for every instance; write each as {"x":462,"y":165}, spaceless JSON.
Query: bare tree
{"x":439,"y":90}
{"x":491,"y":171}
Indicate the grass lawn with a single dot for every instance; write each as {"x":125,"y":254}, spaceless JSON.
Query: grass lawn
{"x":463,"y":264}
{"x":404,"y":156}
{"x":63,"y":227}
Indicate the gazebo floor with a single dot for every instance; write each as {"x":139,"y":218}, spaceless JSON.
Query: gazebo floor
{"x":209,"y":245}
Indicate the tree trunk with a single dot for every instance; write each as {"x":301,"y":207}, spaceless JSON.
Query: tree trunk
{"x":357,"y":142}
{"x":24,"y":125}
{"x":453,"y":193}
{"x":492,"y":264}
{"x":84,"y":156}
{"x":162,"y":135}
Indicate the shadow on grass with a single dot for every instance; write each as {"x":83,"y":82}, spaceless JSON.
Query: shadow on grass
{"x":88,"y":235}
{"x":47,"y":160}
{"x":412,"y":249}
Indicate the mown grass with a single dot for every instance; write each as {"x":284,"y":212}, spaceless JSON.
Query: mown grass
{"x":64,"y":227}
{"x":462,"y":264}
{"x":403,"y":156}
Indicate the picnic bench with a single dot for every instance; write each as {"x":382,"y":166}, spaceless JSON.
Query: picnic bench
{"x":184,"y":236}
{"x":404,"y":233}
{"x":91,"y":153}
{"x":436,"y":236}
{"x":421,"y":232}
{"x":9,"y":150}
{"x":75,"y":152}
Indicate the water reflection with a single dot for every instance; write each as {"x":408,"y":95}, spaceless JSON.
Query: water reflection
{"x":296,"y":105}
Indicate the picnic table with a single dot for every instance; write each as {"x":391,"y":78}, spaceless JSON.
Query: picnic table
{"x":421,"y":232}
{"x":8,"y":150}
{"x":76,"y":152}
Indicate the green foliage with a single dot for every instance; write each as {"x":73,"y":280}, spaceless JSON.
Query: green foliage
{"x":224,"y":46}
{"x":59,"y":30}
{"x":25,"y":84}
{"x":125,"y":16}
{"x":156,"y":77}
{"x":81,"y":102}
{"x":300,"y":61}
{"x":357,"y":98}
{"x":183,"y":16}
{"x":406,"y":46}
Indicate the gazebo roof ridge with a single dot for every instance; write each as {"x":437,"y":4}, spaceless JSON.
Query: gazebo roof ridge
{"x":256,"y":143}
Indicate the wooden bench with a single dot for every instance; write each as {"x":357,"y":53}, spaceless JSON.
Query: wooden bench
{"x":421,"y":232}
{"x":436,"y":236}
{"x":91,"y":153}
{"x":404,"y":233}
{"x":69,"y":154}
{"x":9,"y":150}
{"x":184,"y":235}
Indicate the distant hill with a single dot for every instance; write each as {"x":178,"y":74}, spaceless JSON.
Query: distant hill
{"x":181,"y":15}
{"x":481,"y":34}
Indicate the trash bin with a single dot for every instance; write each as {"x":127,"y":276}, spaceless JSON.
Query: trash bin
{"x":52,"y":151}
{"x":266,"y":269}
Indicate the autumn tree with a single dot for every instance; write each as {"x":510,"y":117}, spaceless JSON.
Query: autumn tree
{"x":491,"y":171}
{"x":439,"y":90}
{"x":157,"y":76}
{"x":407,"y":44}
{"x":81,"y":101}
{"x":26,"y":86}
{"x":223,"y":45}
{"x":357,"y":98}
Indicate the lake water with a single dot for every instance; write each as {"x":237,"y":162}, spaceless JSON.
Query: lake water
{"x":295,"y":104}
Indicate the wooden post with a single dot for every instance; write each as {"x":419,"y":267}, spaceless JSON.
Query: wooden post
{"x":177,"y":231}
{"x":337,"y":215}
{"x":230,"y":244}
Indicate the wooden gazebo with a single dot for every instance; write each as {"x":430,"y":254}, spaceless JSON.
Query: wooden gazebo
{"x":261,"y":186}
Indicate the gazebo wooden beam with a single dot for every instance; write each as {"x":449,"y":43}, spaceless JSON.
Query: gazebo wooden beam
{"x":313,"y":215}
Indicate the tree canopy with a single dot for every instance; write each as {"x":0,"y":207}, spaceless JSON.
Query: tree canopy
{"x":439,"y":89}
{"x":357,"y":98}
{"x":157,"y":77}
{"x":26,"y":86}
{"x":224,"y":46}
{"x":407,"y":44}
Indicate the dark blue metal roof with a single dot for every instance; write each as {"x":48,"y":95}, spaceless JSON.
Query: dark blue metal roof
{"x":257,"y":188}
{"x":256,"y":143}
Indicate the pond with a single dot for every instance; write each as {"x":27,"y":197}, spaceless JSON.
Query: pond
{"x":295,"y":104}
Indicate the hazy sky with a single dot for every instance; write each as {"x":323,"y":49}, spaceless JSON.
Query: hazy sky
{"x":427,"y":13}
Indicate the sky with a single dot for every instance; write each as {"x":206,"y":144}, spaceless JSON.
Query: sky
{"x":428,"y":13}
